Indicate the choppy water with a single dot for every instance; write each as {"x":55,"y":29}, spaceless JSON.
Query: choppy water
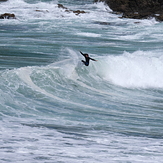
{"x":54,"y":109}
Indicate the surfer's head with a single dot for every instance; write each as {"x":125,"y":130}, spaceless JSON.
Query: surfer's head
{"x":86,"y":55}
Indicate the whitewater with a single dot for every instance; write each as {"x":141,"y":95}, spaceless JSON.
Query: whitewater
{"x":54,"y":109}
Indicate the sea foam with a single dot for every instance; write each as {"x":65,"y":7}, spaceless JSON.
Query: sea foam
{"x":141,"y":69}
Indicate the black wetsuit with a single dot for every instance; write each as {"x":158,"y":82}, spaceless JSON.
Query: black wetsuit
{"x":87,"y":58}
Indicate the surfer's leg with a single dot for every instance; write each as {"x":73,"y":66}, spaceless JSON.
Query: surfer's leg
{"x":86,"y":64}
{"x":83,"y":61}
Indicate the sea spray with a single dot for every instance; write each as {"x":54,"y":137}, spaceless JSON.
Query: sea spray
{"x":141,"y":69}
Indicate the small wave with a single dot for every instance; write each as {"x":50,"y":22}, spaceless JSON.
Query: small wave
{"x":87,"y":34}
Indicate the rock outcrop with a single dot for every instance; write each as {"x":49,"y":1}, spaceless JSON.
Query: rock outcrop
{"x":7,"y":16}
{"x":137,"y":9}
{"x":77,"y":12}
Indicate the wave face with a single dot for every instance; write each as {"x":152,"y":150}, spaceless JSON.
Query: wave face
{"x":55,"y":109}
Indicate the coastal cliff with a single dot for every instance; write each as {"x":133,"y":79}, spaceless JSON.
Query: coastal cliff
{"x":137,"y":9}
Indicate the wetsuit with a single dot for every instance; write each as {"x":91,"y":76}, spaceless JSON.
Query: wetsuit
{"x":87,"y":58}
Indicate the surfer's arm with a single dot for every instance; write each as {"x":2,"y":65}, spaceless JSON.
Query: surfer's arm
{"x":92,"y":59}
{"x":81,"y":53}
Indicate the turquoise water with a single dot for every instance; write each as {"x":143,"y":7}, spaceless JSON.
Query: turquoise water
{"x":54,"y":109}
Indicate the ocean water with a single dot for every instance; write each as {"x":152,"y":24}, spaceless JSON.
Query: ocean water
{"x":53,"y":109}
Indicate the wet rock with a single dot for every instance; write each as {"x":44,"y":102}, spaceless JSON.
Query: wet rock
{"x":61,"y":6}
{"x":7,"y":16}
{"x":137,"y":9}
{"x":159,"y":17}
{"x":44,"y":11}
{"x":76,"y":12}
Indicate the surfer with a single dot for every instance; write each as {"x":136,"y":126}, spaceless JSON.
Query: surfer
{"x":87,"y":58}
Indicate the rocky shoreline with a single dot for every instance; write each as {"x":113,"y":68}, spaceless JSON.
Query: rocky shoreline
{"x":137,"y":9}
{"x":12,"y":16}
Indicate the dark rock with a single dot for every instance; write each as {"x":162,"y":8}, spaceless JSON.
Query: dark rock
{"x":61,"y":6}
{"x":137,"y":9}
{"x":77,"y":12}
{"x":7,"y":16}
{"x":42,"y":11}
{"x":159,"y":17}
